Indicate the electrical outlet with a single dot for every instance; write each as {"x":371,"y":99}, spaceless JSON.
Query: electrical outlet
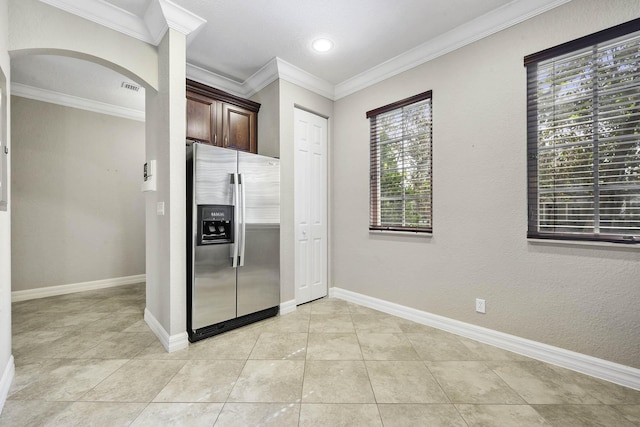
{"x":480,"y":306}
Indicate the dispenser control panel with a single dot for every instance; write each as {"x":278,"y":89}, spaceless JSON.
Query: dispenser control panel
{"x":215,"y":224}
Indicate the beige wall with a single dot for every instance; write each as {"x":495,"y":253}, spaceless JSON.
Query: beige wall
{"x":269,"y":119}
{"x":6,"y":361}
{"x":583,"y":298}
{"x":166,"y":234}
{"x":78,"y":212}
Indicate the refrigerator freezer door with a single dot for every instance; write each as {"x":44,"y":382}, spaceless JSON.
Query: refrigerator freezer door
{"x":214,"y":279}
{"x":214,"y":287}
{"x":214,"y":170}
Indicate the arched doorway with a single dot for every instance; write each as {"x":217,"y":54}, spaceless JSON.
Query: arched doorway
{"x":78,"y":215}
{"x":78,"y":148}
{"x":160,"y":70}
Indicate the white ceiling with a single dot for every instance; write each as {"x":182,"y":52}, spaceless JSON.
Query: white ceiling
{"x":372,"y":38}
{"x":243,"y":35}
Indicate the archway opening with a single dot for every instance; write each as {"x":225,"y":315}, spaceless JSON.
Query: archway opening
{"x":78,"y":146}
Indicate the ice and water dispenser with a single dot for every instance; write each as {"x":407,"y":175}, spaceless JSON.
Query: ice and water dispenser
{"x":215,"y":224}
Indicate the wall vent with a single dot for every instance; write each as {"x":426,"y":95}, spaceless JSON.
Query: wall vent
{"x":130,"y":86}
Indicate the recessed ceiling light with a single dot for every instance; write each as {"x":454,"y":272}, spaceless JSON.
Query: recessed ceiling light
{"x":322,"y":45}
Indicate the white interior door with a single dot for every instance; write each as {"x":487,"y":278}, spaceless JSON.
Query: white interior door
{"x":310,"y":136}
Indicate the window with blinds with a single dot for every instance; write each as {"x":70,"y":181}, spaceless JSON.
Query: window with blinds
{"x":583,"y":127}
{"x":400,"y":174}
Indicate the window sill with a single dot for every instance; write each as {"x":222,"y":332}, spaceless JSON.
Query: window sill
{"x":400,"y":233}
{"x":552,"y":242}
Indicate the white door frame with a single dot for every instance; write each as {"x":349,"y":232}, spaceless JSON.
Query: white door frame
{"x":311,"y":154}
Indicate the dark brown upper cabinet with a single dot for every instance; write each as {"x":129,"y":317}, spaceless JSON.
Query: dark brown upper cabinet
{"x":201,"y":115}
{"x":216,"y":117}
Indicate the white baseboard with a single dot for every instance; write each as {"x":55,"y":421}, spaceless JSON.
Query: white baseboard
{"x":599,"y":368}
{"x":5,"y":381}
{"x":169,"y":342}
{"x":288,"y":306}
{"x":50,"y":291}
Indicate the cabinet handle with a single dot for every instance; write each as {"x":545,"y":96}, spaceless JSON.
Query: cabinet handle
{"x":215,"y":139}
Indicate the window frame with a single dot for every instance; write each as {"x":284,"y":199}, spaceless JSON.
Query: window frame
{"x":374,"y":171}
{"x":533,"y":185}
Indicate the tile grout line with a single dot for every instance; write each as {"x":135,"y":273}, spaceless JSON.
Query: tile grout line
{"x":304,"y":370}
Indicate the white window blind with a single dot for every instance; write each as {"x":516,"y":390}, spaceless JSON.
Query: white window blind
{"x":400,"y":180}
{"x":584,"y":138}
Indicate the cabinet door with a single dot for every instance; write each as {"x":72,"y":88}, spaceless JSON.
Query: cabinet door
{"x":201,"y":115}
{"x":239,"y":128}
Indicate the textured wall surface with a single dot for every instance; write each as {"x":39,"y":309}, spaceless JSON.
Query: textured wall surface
{"x":78,"y":212}
{"x":166,"y":234}
{"x":583,"y":298}
{"x":269,"y":120}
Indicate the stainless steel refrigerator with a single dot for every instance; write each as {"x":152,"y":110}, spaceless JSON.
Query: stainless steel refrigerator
{"x":233,"y":233}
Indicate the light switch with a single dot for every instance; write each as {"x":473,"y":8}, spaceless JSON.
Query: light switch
{"x":160,"y":209}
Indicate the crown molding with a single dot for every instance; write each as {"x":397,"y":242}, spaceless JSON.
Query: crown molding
{"x":261,"y":78}
{"x":180,"y":19}
{"x":271,"y":71}
{"x":164,"y":14}
{"x":155,"y":22}
{"x":159,"y":16}
{"x":497,"y":20}
{"x":215,"y":80}
{"x":65,"y":100}
{"x":106,"y":15}
{"x":306,"y":80}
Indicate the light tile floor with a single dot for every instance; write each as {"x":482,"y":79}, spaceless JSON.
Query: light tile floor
{"x":89,"y":359}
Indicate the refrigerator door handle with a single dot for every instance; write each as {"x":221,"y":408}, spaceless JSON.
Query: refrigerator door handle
{"x":244,"y":220}
{"x":236,"y":220}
